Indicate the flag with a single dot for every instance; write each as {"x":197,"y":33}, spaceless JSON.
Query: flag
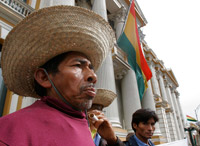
{"x":129,"y":42}
{"x":191,"y":119}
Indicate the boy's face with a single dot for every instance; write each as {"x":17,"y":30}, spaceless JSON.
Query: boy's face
{"x":144,"y":131}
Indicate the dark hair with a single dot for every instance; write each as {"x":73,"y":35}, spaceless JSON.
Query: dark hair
{"x":143,"y":115}
{"x":51,"y":66}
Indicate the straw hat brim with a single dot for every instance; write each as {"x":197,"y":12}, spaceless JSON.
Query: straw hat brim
{"x":104,"y":97}
{"x":47,"y":33}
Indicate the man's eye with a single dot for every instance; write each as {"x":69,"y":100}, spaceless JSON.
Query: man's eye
{"x":78,"y":65}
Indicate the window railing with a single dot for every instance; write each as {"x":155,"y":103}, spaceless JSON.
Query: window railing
{"x":18,"y":6}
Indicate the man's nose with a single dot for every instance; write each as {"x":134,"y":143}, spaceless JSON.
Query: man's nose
{"x":91,"y":76}
{"x":150,"y":127}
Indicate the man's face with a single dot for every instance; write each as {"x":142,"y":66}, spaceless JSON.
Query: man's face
{"x":75,"y":81}
{"x":144,"y":131}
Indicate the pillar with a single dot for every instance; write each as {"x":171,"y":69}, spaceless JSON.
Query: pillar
{"x":99,"y":7}
{"x":171,"y":124}
{"x":162,"y":86}
{"x":170,"y":119}
{"x":163,"y":123}
{"x":154,"y":81}
{"x":119,"y":21}
{"x":160,"y":105}
{"x":149,"y":102}
{"x":181,"y":128}
{"x":180,"y":109}
{"x":26,"y":101}
{"x":169,"y":96}
{"x":131,"y":99}
{"x":148,"y":99}
{"x":13,"y":105}
{"x":48,"y":3}
{"x":105,"y":74}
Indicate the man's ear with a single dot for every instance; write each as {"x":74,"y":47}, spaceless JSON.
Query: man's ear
{"x":135,"y":126}
{"x":42,"y":78}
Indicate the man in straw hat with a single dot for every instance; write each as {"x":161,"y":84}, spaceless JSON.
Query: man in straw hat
{"x":53,"y":55}
{"x":102,"y":99}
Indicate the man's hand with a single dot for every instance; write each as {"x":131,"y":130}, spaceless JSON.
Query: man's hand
{"x":103,"y":126}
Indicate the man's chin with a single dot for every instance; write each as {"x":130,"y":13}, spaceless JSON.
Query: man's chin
{"x":149,"y":136}
{"x":85,"y":105}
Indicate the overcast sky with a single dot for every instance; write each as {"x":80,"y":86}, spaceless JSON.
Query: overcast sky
{"x":172,"y":32}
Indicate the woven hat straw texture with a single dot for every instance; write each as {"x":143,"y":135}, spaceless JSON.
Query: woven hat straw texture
{"x":47,"y":33}
{"x":104,"y":97}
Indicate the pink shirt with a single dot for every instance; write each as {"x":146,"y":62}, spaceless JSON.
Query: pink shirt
{"x":47,"y":122}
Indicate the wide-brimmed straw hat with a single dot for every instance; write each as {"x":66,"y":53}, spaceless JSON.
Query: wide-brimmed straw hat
{"x":104,"y":97}
{"x":47,"y":33}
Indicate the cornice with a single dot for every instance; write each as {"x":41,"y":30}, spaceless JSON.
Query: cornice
{"x":170,"y":77}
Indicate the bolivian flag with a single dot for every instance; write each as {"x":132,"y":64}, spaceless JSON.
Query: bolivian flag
{"x":129,"y":42}
{"x":191,"y":119}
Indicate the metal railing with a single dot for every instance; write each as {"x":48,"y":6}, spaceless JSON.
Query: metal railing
{"x":18,"y":6}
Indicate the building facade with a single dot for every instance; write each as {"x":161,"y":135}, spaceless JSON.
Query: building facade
{"x":115,"y":74}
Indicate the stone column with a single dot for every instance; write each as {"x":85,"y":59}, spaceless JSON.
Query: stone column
{"x":162,"y":85}
{"x":169,"y":96}
{"x":180,"y":109}
{"x":105,"y":74}
{"x":154,"y":81}
{"x":160,"y":105}
{"x":13,"y":105}
{"x":178,"y":113}
{"x":119,"y":21}
{"x":48,"y":3}
{"x":149,"y":102}
{"x":163,"y":123}
{"x":99,"y":7}
{"x":171,"y":124}
{"x":148,"y":99}
{"x":169,"y":115}
{"x":131,"y":99}
{"x":26,"y":101}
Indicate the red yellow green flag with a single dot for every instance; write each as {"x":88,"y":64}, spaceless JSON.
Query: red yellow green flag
{"x":189,"y":118}
{"x":129,"y":42}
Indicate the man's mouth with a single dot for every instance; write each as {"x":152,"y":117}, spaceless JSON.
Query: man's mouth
{"x":150,"y":134}
{"x":90,"y":91}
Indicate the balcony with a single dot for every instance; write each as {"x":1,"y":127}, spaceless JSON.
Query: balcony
{"x":14,"y":11}
{"x":120,"y":62}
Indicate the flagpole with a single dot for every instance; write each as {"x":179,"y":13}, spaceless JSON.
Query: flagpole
{"x":196,"y":111}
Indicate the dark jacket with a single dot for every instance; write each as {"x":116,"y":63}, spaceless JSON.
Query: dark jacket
{"x":132,"y":142}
